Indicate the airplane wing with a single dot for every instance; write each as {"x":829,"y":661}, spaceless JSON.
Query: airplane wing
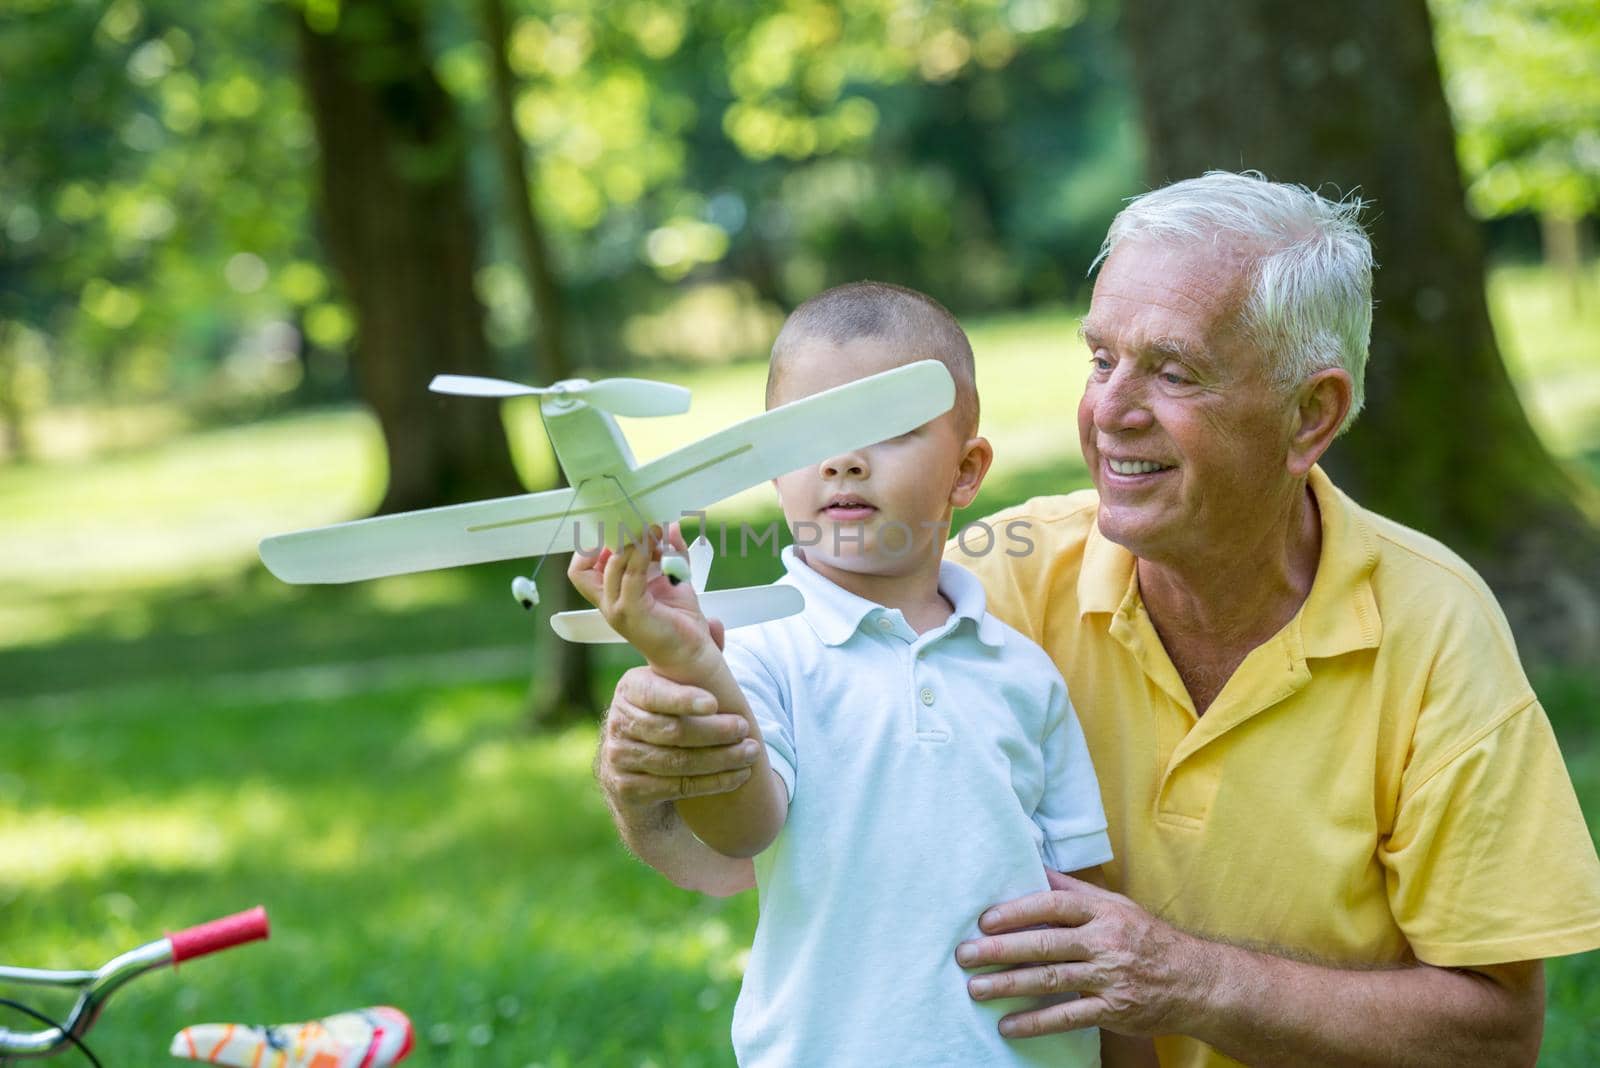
{"x":802,"y":432}
{"x":527,"y":525}
{"x":735,"y":608}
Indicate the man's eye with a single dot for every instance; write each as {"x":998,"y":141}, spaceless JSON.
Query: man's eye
{"x":1175,"y":378}
{"x":1099,"y":362}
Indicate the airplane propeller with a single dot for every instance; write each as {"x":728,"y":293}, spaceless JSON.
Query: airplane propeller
{"x":628,"y":397}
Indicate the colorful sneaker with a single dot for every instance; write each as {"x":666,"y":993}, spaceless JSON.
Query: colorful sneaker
{"x":365,"y":1038}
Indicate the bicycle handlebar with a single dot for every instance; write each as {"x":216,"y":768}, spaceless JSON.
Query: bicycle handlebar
{"x":96,"y":986}
{"x":217,"y":935}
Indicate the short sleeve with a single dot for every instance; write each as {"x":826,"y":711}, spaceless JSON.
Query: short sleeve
{"x":1490,"y":860}
{"x":769,"y":703}
{"x":1069,"y":811}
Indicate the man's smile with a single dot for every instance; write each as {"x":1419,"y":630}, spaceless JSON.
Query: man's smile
{"x":1132,"y":467}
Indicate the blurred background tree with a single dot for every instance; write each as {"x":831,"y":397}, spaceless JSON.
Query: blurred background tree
{"x":559,"y":688}
{"x":1349,"y":98}
{"x":403,"y":234}
{"x":1524,"y":86}
{"x":135,"y":263}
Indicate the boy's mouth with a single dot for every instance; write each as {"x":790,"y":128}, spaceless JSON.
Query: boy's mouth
{"x":847,"y":506}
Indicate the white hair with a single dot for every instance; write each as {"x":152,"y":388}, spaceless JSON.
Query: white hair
{"x":1310,"y":302}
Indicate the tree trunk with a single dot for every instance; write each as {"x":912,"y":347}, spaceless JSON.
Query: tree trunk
{"x":558,"y":693}
{"x":1561,"y":236}
{"x":1346,"y":97}
{"x":13,"y":409}
{"x":400,"y":233}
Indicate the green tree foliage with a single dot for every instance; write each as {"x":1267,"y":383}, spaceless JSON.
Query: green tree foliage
{"x":1523,"y":78}
{"x":153,"y":194}
{"x":155,"y":221}
{"x":156,"y":232}
{"x":973,"y":148}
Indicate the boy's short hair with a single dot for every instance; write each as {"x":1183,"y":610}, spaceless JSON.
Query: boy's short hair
{"x":879,"y":309}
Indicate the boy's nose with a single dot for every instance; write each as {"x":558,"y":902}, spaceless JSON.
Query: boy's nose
{"x":851,"y":464}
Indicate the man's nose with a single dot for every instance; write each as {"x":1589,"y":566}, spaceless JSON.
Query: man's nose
{"x":1120,"y":403}
{"x":845,"y":464}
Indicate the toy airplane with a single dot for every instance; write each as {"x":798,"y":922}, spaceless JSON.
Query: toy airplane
{"x":735,"y":608}
{"x":610,"y":499}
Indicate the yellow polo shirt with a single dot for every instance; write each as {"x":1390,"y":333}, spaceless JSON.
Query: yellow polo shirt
{"x":1376,"y":783}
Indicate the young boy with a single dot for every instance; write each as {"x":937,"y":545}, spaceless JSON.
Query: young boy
{"x":921,"y":758}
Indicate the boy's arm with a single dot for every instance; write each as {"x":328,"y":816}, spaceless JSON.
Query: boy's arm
{"x":1069,"y":810}
{"x":662,"y":620}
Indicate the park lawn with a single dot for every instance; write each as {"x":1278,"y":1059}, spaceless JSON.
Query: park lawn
{"x":187,"y":737}
{"x":417,"y":846}
{"x":413,"y":846}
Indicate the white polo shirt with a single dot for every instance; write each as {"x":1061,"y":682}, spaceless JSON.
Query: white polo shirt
{"x":929,"y":777}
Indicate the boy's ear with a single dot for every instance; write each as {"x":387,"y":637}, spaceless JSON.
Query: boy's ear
{"x":976,"y":456}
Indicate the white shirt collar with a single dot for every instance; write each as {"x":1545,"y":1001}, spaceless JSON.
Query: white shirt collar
{"x":836,"y":614}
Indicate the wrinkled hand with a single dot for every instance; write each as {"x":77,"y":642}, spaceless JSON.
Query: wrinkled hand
{"x":663,"y":742}
{"x":1136,"y":974}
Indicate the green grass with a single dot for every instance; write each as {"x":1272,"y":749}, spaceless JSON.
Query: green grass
{"x":413,"y":846}
{"x":184,"y":736}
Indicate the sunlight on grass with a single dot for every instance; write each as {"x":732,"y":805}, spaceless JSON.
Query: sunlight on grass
{"x":192,"y":506}
{"x":54,"y":844}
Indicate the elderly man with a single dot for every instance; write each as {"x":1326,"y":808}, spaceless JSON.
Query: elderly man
{"x":1343,"y":831}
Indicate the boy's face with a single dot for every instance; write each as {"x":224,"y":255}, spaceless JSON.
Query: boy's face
{"x":883,"y":509}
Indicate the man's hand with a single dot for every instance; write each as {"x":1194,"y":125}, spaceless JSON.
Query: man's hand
{"x":663,"y":742}
{"x":1135,"y":973}
{"x":1140,"y":976}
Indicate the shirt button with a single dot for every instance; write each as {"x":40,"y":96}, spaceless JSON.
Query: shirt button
{"x":885,"y":623}
{"x":927,"y":696}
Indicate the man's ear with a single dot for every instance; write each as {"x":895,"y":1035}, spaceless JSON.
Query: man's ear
{"x":1321,"y":404}
{"x":976,"y":456}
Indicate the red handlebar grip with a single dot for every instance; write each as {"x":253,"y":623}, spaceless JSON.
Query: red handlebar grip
{"x":225,"y":933}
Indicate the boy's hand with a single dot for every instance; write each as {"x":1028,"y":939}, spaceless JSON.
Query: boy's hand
{"x":659,"y":617}
{"x":586,"y":571}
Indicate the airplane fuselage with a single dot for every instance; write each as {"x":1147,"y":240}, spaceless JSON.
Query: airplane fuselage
{"x":587,"y":442}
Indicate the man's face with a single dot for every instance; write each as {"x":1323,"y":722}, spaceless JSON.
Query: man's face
{"x":875,"y":510}
{"x":1184,"y":435}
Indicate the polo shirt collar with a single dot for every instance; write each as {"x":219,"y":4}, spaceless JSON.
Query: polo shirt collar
{"x":1340,"y":613}
{"x":835,"y":614}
